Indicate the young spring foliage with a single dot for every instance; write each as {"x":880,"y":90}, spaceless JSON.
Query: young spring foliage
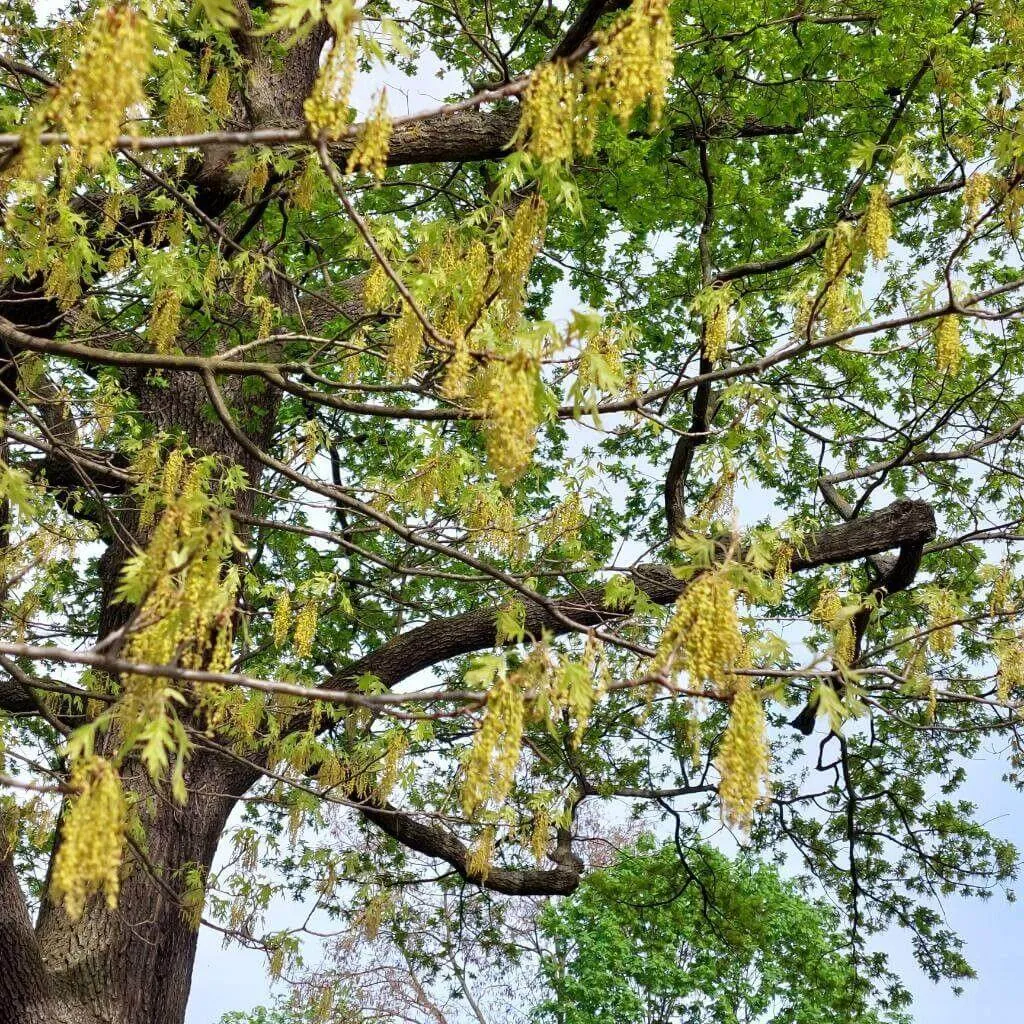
{"x":399,"y":478}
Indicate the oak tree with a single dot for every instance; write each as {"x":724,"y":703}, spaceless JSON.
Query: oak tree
{"x":384,"y":485}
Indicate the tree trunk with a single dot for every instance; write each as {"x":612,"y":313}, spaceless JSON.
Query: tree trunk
{"x":133,"y":964}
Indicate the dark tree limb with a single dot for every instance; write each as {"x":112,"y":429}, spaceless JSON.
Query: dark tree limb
{"x":902,"y":523}
{"x":891,"y":575}
{"x":436,"y":841}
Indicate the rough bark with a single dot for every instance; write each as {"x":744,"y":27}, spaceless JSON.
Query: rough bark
{"x":134,"y":964}
{"x":26,"y":992}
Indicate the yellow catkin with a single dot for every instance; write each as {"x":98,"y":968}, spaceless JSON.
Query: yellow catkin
{"x":828,"y":612}
{"x":743,"y":757}
{"x":943,"y":612}
{"x":703,"y":635}
{"x":539,"y":832}
{"x":111,"y":214}
{"x":370,"y":152}
{"x":878,"y":223}
{"x":782,"y":568}
{"x":188,"y":606}
{"x":838,"y":257}
{"x":716,"y":332}
{"x":326,"y":108}
{"x":511,"y":416}
{"x":282,"y":622}
{"x":976,"y":193}
{"x":563,"y":522}
{"x":164,"y":320}
{"x":88,"y":858}
{"x":184,"y":114}
{"x":1010,"y":678}
{"x":525,"y":236}
{"x":948,"y":347}
{"x":174,"y":468}
{"x":458,"y":368}
{"x":106,"y":80}
{"x":491,"y":519}
{"x":378,"y":291}
{"x":634,"y":60}
{"x":601,"y":361}
{"x":405,"y":345}
{"x":304,"y":190}
{"x":305,"y":628}
{"x":548,"y":114}
{"x":694,"y":738}
{"x":491,"y":765}
{"x":62,"y":284}
{"x":481,"y":855}
{"x":999,"y":599}
{"x":219,"y":94}
{"x":391,"y":764}
{"x":633,"y":65}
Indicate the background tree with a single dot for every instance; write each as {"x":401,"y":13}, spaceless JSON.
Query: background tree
{"x":307,"y":512}
{"x":653,"y":937}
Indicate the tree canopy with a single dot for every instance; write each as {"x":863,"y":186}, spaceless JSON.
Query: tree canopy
{"x":393,"y":488}
{"x":655,"y":938}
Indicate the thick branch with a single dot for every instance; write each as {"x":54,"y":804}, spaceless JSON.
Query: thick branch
{"x":901,"y":524}
{"x":436,"y":841}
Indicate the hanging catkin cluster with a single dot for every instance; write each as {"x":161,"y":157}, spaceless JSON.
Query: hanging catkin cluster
{"x":508,"y":402}
{"x":948,"y":347}
{"x":743,"y":757}
{"x":943,"y":612}
{"x":305,"y":627}
{"x":837,"y":262}
{"x":703,"y":635}
{"x":491,"y":519}
{"x":634,"y":61}
{"x":878,"y":223}
{"x":525,"y":237}
{"x":184,"y":588}
{"x":601,"y":366}
{"x":88,"y":858}
{"x":164,"y":320}
{"x":405,"y":344}
{"x":481,"y":854}
{"x":281,"y":624}
{"x":492,"y":761}
{"x":370,"y":152}
{"x":326,"y":107}
{"x":185,"y":597}
{"x":474,"y":301}
{"x":1010,"y":655}
{"x":549,"y":113}
{"x":716,"y":331}
{"x":975,"y":195}
{"x":828,"y":611}
{"x":106,"y":80}
{"x":633,"y":65}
